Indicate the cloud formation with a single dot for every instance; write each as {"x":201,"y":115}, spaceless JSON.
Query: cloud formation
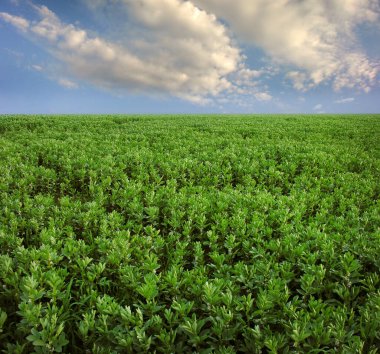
{"x":315,"y":37}
{"x":189,"y":53}
{"x":189,"y":48}
{"x":16,"y":21}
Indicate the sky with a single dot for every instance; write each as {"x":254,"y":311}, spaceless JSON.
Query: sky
{"x":195,"y":56}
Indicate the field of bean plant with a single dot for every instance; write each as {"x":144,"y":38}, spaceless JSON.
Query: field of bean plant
{"x":190,"y":234}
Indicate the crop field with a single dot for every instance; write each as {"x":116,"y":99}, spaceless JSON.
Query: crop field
{"x":190,"y":234}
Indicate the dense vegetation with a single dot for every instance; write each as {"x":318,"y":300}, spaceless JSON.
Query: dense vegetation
{"x":214,"y":234}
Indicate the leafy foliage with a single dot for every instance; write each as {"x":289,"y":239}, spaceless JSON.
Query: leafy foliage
{"x":214,"y":234}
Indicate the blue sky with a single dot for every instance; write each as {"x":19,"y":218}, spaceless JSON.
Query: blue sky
{"x":198,"y":56}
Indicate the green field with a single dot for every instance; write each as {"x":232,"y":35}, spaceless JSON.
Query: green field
{"x":181,"y":234}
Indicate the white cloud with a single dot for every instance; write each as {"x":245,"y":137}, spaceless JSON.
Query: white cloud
{"x":66,"y":83}
{"x":37,"y":67}
{"x":316,"y":37}
{"x":345,"y":100}
{"x":317,"y":107}
{"x":17,"y":21}
{"x":263,"y":96}
{"x":300,"y":80}
{"x":183,"y":50}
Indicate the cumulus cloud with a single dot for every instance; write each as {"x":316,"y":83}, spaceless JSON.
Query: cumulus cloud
{"x":188,"y":48}
{"x":316,"y":37}
{"x":186,"y":51}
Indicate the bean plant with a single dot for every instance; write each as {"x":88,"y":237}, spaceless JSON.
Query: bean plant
{"x":190,"y":234}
